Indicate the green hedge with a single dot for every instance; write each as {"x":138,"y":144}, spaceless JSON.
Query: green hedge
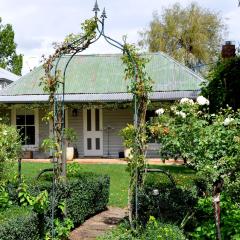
{"x":86,"y":195}
{"x":170,"y":205}
{"x":18,"y":223}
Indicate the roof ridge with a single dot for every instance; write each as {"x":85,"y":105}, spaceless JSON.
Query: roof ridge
{"x":109,"y":54}
{"x":182,"y":65}
{"x":105,"y":75}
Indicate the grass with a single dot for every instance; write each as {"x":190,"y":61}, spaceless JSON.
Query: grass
{"x":118,"y":175}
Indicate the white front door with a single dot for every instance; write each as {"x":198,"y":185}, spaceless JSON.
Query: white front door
{"x":93,"y":134}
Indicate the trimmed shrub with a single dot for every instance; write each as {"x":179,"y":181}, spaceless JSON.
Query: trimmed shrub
{"x":85,"y":194}
{"x":18,"y":223}
{"x":170,"y":204}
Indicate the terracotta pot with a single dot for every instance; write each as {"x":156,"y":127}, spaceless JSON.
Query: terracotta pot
{"x":69,"y":153}
{"x":27,"y":155}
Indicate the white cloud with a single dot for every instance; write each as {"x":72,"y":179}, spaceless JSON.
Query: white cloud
{"x":38,"y":23}
{"x":233,"y":20}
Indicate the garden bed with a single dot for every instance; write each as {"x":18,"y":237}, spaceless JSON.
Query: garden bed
{"x":84,"y":195}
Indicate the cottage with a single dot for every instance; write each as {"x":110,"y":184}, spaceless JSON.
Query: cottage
{"x":98,"y":104}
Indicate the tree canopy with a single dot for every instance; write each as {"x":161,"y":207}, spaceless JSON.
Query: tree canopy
{"x":223,"y":87}
{"x":9,"y":59}
{"x":191,"y":35}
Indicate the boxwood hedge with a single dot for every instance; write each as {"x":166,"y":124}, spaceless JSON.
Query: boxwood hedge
{"x":85,"y":195}
{"x":170,"y":204}
{"x":18,"y":223}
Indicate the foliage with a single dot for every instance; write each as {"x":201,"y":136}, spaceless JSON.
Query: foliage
{"x":62,"y":229}
{"x":5,"y":201}
{"x":191,"y":35}
{"x":223,"y":86}
{"x":52,"y":82}
{"x":213,"y":140}
{"x":24,"y":196}
{"x":49,"y":145}
{"x":140,"y":86}
{"x":19,"y":223}
{"x":128,"y":134}
{"x":169,"y":204}
{"x":39,"y":203}
{"x":119,"y":177}
{"x":73,"y":169}
{"x":87,"y":195}
{"x":230,"y":215}
{"x":9,"y":59}
{"x":210,"y":144}
{"x":10,"y":149}
{"x":154,"y":231}
{"x":70,"y":135}
{"x":84,"y":195}
{"x":157,"y":230}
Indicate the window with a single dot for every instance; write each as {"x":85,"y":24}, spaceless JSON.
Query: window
{"x":97,"y":119}
{"x":97,"y":143}
{"x":26,"y":126}
{"x":150,"y":115}
{"x":89,"y":120}
{"x":89,"y":144}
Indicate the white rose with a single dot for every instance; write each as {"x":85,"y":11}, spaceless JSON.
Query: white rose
{"x":202,"y":101}
{"x":186,"y":100}
{"x":173,"y":108}
{"x":227,"y":121}
{"x":160,"y":111}
{"x":182,"y":114}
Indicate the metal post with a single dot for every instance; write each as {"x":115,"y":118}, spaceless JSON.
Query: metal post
{"x":19,"y":170}
{"x":108,"y":129}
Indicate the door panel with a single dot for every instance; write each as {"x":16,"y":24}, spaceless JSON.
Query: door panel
{"x":93,"y":134}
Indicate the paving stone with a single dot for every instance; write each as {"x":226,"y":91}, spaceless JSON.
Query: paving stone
{"x":98,"y":224}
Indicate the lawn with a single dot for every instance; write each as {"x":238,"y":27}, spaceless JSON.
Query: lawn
{"x":118,"y":176}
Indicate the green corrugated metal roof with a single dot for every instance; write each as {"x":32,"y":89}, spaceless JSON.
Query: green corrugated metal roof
{"x":104,"y":74}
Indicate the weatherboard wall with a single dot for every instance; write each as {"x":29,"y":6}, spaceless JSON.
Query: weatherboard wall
{"x":115,"y":120}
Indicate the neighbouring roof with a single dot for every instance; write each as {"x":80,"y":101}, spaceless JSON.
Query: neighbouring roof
{"x":8,"y":76}
{"x":101,"y":78}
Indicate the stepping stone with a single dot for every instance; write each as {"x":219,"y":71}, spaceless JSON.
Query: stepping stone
{"x":98,"y":224}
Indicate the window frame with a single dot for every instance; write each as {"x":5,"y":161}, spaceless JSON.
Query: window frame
{"x":35,"y":112}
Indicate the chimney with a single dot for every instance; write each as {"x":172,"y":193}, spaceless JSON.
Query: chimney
{"x":228,"y":50}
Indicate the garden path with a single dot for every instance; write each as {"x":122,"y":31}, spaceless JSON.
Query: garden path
{"x":152,"y":161}
{"x":98,"y":224}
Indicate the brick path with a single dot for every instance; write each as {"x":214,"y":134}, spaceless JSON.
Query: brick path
{"x":153,"y":161}
{"x":98,"y":224}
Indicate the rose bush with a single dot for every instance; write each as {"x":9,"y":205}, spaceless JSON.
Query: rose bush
{"x":209,"y":143}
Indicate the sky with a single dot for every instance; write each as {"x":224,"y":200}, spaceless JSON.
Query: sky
{"x":39,"y":23}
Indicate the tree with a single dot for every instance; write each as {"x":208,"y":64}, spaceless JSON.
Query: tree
{"x":223,"y":87}
{"x":191,"y":35}
{"x":9,"y":59}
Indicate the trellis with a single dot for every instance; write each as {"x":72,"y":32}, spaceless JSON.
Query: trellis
{"x":140,"y":86}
